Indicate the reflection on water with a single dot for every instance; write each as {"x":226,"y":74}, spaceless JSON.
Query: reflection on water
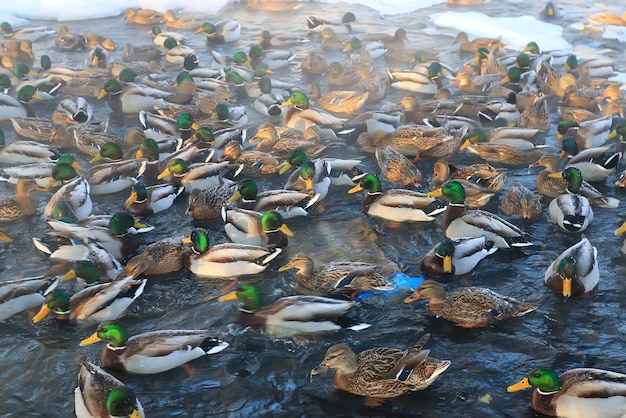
{"x":261,"y":376}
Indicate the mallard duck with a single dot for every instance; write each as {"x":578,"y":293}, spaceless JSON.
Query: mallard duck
{"x":18,"y":52}
{"x":98,"y":57}
{"x":312,"y":177}
{"x":76,"y":108}
{"x":458,"y":222}
{"x":42,"y":173}
{"x":175,"y":53}
{"x":144,"y":201}
{"x":371,"y":49}
{"x":595,"y":164}
{"x":107,"y":178}
{"x":417,"y":81}
{"x":159,"y":37}
{"x":225,"y":260}
{"x":588,"y":134}
{"x":622,"y":239}
{"x":520,"y":138}
{"x":100,"y":394}
{"x":268,"y":39}
{"x":195,"y":176}
{"x":343,"y":103}
{"x":22,"y":294}
{"x":100,"y":302}
{"x":86,"y":273}
{"x":253,"y":228}
{"x":40,"y":129}
{"x":552,"y":186}
{"x":221,"y":32}
{"x":204,"y":205}
{"x":11,"y":107}
{"x":274,"y":58}
{"x":268,"y":103}
{"x":300,"y":116}
{"x":141,"y":53}
{"x":19,"y":205}
{"x":571,"y":211}
{"x":255,"y":164}
{"x":469,"y":307}
{"x":519,"y":200}
{"x":397,"y":168}
{"x":31,"y":33}
{"x":457,"y":256}
{"x":181,"y":22}
{"x":93,"y":253}
{"x":382,"y":373}
{"x":293,"y":315}
{"x":143,"y":16}
{"x":76,"y":193}
{"x":314,"y":63}
{"x":318,"y":23}
{"x":337,"y":277}
{"x":152,"y":352}
{"x":289,"y":203}
{"x":26,"y":152}
{"x":118,"y":237}
{"x":282,"y":141}
{"x":577,"y":393}
{"x":397,"y":205}
{"x":609,"y":19}
{"x":476,"y":44}
{"x":160,"y":257}
{"x":132,"y":99}
{"x":575,"y":271}
{"x":482,"y":174}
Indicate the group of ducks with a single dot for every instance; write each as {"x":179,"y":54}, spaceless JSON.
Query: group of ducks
{"x":192,"y":140}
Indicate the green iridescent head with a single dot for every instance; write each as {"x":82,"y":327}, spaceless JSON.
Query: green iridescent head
{"x":574,"y":178}
{"x":122,"y":402}
{"x":370,"y":182}
{"x":149,"y":149}
{"x":205,"y":135}
{"x":127,"y":75}
{"x":349,"y":17}
{"x":531,"y":47}
{"x":200,"y":240}
{"x":453,"y":190}
{"x":112,"y":332}
{"x":170,"y":43}
{"x":221,"y":111}
{"x":299,"y":100}
{"x":191,"y":62}
{"x":544,"y":379}
{"x":120,"y":223}
{"x":140,"y":189}
{"x":240,"y":58}
{"x":208,"y":28}
{"x":571,"y":63}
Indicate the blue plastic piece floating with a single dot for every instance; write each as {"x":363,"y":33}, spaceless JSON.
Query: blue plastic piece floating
{"x":399,"y":280}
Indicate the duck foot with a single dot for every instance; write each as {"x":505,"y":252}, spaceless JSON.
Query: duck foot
{"x":230,"y":286}
{"x":392,"y":224}
{"x":471,"y":325}
{"x":191,"y":372}
{"x":375,"y":402}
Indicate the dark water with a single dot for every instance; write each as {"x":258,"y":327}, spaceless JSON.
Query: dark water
{"x":261,"y":376}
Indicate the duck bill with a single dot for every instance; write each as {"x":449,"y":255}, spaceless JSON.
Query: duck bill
{"x":102,"y":94}
{"x":229,"y":297}
{"x":139,"y":225}
{"x":505,"y":80}
{"x":70,"y":275}
{"x":136,"y":414}
{"x":563,"y":155}
{"x":90,"y":340}
{"x":415,"y":296}
{"x":558,"y":175}
{"x":526,"y":213}
{"x":285,"y":166}
{"x":187,"y":240}
{"x":286,"y":267}
{"x":4,"y":237}
{"x":465,"y":144}
{"x":285,"y":104}
{"x":309,"y":184}
{"x":348,"y":48}
{"x":43,"y":312}
{"x":131,"y":199}
{"x":521,"y":385}
{"x":97,"y":158}
{"x":77,"y":166}
{"x":285,"y":229}
{"x":620,"y":230}
{"x":447,"y":264}
{"x":235,"y":197}
{"x":164,"y":174}
{"x":319,"y":369}
{"x":435,"y":193}
{"x":567,"y":287}
{"x":355,"y":189}
{"x":612,"y":135}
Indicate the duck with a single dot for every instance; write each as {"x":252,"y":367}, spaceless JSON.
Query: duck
{"x":458,"y":222}
{"x":195,"y":176}
{"x":108,"y":268}
{"x":595,"y":164}
{"x":413,"y":81}
{"x":132,"y":99}
{"x":293,"y":315}
{"x":255,"y":164}
{"x":396,"y":205}
{"x":224,"y":31}
{"x":371,"y":49}
{"x":206,"y":205}
{"x":253,"y":228}
{"x":312,"y":177}
{"x":382,"y":373}
{"x":21,"y":204}
{"x":11,"y":107}
{"x":21,"y":294}
{"x":160,"y":257}
{"x":314,"y":63}
{"x":175,"y":53}
{"x":337,"y":277}
{"x":319,"y":23}
{"x":76,"y":193}
{"x":397,"y":168}
{"x":274,"y":59}
{"x":469,"y":307}
{"x":575,"y":271}
{"x":343,"y":103}
{"x":98,"y":57}
{"x":147,"y":200}
{"x":576,"y":393}
{"x":77,"y":108}
{"x":587,"y":134}
{"x":609,"y":19}
{"x":181,"y":22}
{"x":152,"y":352}
{"x":465,"y":45}
{"x":301,"y":116}
{"x":288,"y":203}
{"x":553,"y":186}
{"x":100,"y":302}
{"x":456,"y":256}
{"x":571,"y":211}
{"x":86,"y":273}
{"x":484,"y":175}
{"x":26,"y":152}
{"x":225,"y":260}
{"x":42,"y":173}
{"x":520,"y":201}
{"x":119,"y":237}
{"x":107,"y":178}
{"x":520,"y":138}
{"x":159,"y":37}
{"x":143,"y":16}
{"x":268,"y":103}
{"x":100,"y":394}
{"x":282,"y":141}
{"x":269,"y":40}
{"x":30,"y":33}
